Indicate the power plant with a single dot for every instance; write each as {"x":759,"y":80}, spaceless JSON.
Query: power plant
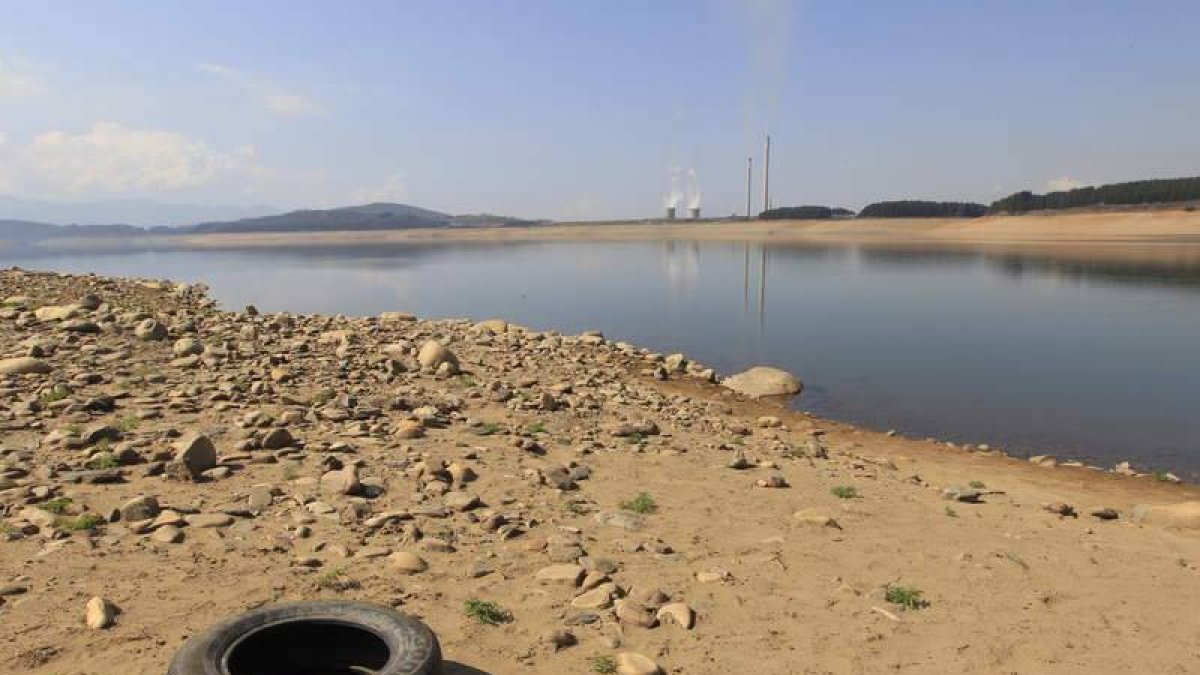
{"x":685,"y":188}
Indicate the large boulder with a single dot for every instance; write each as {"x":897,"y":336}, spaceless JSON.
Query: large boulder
{"x":196,"y":453}
{"x":150,"y":330}
{"x":762,"y":381}
{"x":24,"y":365}
{"x":1181,"y":516}
{"x":433,"y":354}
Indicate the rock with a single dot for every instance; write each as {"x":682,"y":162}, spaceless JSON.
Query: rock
{"x":773,"y":481}
{"x":1124,"y":469}
{"x":559,"y":639}
{"x":433,"y":354}
{"x":962,"y":494}
{"x":150,"y":330}
{"x":196,"y":453}
{"x":569,"y":575}
{"x":57,"y":312}
{"x":187,"y":347}
{"x":761,"y":381}
{"x":206,"y":520}
{"x":24,"y":365}
{"x":1061,"y":509}
{"x":768,"y":422}
{"x":100,"y":613}
{"x":277,"y":438}
{"x":408,"y":563}
{"x":678,"y":613}
{"x":461,"y":501}
{"x":492,"y":326}
{"x":168,"y":534}
{"x":675,"y":363}
{"x":1105,"y":513}
{"x":630,"y":663}
{"x":635,"y":614}
{"x":341,"y":482}
{"x":816,"y":518}
{"x":139,"y":508}
{"x":1181,"y":515}
{"x":408,"y":429}
{"x":597,"y":598}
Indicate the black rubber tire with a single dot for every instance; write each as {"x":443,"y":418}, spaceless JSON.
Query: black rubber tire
{"x":412,"y":648}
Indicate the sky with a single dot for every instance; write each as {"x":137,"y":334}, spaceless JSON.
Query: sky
{"x":588,"y":110}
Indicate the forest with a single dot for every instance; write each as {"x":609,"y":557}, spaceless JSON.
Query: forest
{"x":805,"y":213}
{"x":1135,"y":192}
{"x":922,"y":209}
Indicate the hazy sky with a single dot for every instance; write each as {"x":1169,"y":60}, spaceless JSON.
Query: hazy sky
{"x":580,"y":108}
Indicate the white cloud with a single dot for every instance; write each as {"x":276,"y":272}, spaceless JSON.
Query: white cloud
{"x":263,"y":93}
{"x":19,"y":80}
{"x":1063,"y":184}
{"x":392,"y":189}
{"x":111,"y":157}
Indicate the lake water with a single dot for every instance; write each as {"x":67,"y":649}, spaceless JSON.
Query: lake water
{"x":1093,"y":361}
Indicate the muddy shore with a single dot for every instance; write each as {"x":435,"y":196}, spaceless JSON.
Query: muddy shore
{"x":185,"y":463}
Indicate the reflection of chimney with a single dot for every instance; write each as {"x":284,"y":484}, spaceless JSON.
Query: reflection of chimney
{"x":694,"y":213}
{"x":670,"y":213}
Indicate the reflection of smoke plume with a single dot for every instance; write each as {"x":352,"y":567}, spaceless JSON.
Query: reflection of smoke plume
{"x":685,"y":189}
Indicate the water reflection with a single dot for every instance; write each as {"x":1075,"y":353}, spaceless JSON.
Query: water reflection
{"x":1077,"y":355}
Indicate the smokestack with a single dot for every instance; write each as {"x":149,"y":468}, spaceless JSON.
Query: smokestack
{"x":766,"y":175}
{"x":670,"y":213}
{"x":694,"y":213}
{"x":749,"y":182}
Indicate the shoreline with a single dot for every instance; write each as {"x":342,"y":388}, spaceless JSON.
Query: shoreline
{"x":507,"y":478}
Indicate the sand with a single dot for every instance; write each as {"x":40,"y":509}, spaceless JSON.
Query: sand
{"x":1010,"y":587}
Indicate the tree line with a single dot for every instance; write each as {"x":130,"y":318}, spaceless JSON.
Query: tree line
{"x":805,"y":213}
{"x":1136,"y":192}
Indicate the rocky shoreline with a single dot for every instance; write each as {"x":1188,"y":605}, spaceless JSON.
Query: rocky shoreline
{"x":547,"y":503}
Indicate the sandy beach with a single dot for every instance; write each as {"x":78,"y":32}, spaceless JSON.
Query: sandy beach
{"x":608,"y":500}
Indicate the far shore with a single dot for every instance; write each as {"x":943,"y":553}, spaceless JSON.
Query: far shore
{"x":1148,"y":236}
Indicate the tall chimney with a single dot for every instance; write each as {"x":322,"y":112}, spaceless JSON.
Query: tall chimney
{"x":670,"y":213}
{"x":767,"y":174}
{"x":749,"y":181}
{"x":694,"y":213}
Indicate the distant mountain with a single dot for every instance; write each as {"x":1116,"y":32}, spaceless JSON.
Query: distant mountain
{"x":139,"y":212}
{"x":378,"y":216}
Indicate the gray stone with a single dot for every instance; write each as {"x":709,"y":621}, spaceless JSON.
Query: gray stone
{"x":761,"y":381}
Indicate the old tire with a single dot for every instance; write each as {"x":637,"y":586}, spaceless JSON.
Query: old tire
{"x":317,"y":637}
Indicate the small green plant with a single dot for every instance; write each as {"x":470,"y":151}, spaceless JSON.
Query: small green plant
{"x":74,"y":429}
{"x":1162,"y":476}
{"x":128,"y":423}
{"x":977,"y":484}
{"x":537,"y":428}
{"x":488,"y":428}
{"x":291,"y":472}
{"x":57,"y":506}
{"x":643,"y":503}
{"x":951,"y":512}
{"x":468,"y":380}
{"x":322,"y":397}
{"x":104,"y":461}
{"x":844,"y":492}
{"x":102,"y":445}
{"x":332,"y":578}
{"x":87,"y":521}
{"x":51,"y":396}
{"x":635,"y":438}
{"x":487,"y":612}
{"x":604,"y":664}
{"x":908,"y":597}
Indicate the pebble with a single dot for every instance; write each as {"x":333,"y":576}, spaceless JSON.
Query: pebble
{"x":99,"y":613}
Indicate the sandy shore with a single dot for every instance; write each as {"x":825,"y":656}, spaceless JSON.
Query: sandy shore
{"x":579,"y":484}
{"x":1151,"y":237}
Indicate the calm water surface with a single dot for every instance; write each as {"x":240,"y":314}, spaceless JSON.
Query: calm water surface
{"x":1079,"y":360}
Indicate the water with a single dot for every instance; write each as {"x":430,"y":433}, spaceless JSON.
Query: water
{"x":1087,"y":360}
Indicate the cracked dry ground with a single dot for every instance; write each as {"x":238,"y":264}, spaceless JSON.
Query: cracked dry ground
{"x":185,"y":463}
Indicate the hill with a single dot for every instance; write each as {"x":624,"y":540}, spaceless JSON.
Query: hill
{"x":378,"y":216}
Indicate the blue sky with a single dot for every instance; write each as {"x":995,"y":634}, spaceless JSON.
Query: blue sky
{"x":581,"y":109}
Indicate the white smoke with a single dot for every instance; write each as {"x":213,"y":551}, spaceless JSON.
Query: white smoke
{"x":692,"y":190}
{"x":685,"y":189}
